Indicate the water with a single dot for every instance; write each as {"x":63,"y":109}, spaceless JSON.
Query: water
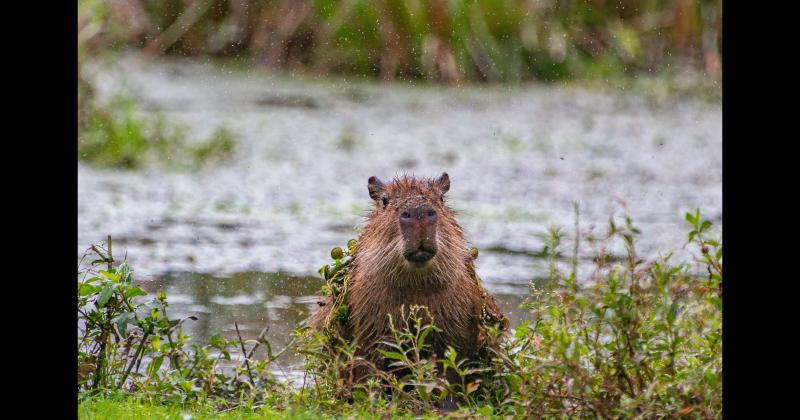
{"x":243,"y":241}
{"x":276,"y":301}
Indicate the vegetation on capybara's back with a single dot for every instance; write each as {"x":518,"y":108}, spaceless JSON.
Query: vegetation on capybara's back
{"x":412,"y":252}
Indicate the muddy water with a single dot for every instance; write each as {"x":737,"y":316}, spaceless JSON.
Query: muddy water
{"x":277,"y":302}
{"x":517,"y":157}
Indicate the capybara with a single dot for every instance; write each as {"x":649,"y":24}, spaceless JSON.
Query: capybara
{"x":413,"y":252}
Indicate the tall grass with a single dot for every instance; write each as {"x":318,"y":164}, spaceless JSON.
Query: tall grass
{"x":440,"y":40}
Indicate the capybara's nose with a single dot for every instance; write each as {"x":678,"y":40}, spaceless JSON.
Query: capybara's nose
{"x":421,"y":213}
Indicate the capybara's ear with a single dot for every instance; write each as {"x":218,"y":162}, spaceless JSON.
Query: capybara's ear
{"x":375,"y":187}
{"x":443,"y":182}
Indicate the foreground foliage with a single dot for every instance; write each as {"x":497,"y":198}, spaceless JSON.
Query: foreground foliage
{"x":644,"y":341}
{"x":633,"y":339}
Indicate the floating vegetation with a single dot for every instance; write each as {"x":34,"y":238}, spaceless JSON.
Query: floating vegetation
{"x":118,"y":135}
{"x":215,"y":150}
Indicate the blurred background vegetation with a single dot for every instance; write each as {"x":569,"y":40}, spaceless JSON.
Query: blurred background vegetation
{"x":440,"y":40}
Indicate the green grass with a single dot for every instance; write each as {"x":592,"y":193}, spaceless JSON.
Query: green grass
{"x":132,"y":409}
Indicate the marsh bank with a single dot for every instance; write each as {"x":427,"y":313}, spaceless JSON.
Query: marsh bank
{"x":243,"y":240}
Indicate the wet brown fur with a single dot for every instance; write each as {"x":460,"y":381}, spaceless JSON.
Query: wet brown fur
{"x":382,"y":281}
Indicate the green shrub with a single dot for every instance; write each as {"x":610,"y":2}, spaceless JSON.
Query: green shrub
{"x":634,"y":339}
{"x":643,"y":341}
{"x":118,"y":330}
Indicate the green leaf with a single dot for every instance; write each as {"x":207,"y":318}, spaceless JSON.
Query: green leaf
{"x":395,"y":345}
{"x":522,"y":329}
{"x":392,"y":355}
{"x":125,"y":272}
{"x":422,"y":337}
{"x":105,"y":294}
{"x":672,"y":313}
{"x":217,"y":341}
{"x":110,"y":275}
{"x":87,"y":289}
{"x":486,"y":411}
{"x":134,"y":291}
{"x":123,"y":320}
{"x":716,"y":301}
{"x":710,"y":377}
{"x":152,"y":369}
{"x":583,"y":302}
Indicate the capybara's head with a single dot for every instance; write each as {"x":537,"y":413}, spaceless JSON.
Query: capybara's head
{"x":410,"y":212}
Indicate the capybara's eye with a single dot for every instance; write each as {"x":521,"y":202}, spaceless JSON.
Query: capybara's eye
{"x":431,"y":213}
{"x":385,"y":201}
{"x":405,"y":215}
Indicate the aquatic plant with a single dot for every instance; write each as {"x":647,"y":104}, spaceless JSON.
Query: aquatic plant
{"x":124,"y":340}
{"x":118,"y":135}
{"x":115,"y":135}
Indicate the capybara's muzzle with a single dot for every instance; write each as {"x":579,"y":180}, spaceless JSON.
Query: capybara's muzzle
{"x":419,"y":233}
{"x":419,"y":256}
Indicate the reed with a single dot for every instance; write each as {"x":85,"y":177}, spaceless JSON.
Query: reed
{"x":450,"y":41}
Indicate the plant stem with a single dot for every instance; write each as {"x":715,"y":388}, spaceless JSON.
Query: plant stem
{"x":110,"y":255}
{"x":575,"y":247}
{"x":137,"y":355}
{"x":244,"y":353}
